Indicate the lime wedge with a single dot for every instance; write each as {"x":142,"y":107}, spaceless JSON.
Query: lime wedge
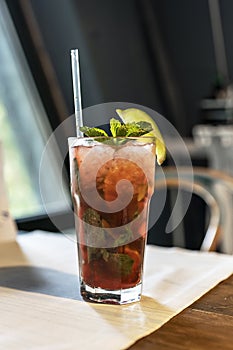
{"x":136,"y":115}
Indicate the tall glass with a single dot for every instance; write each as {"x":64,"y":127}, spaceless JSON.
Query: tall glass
{"x":112,"y":180}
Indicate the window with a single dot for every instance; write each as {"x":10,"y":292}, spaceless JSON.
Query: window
{"x":24,"y":131}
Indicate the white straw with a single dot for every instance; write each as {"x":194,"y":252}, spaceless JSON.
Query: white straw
{"x":77,"y":91}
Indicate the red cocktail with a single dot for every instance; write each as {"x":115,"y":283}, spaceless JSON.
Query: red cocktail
{"x":112,"y":180}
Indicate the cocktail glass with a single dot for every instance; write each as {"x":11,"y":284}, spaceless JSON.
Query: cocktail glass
{"x":112,"y":181}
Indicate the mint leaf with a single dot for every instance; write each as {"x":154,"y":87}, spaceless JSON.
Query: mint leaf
{"x":93,"y":132}
{"x":97,"y":253}
{"x":92,"y":217}
{"x":114,"y":125}
{"x":117,"y":129}
{"x":146,"y":126}
{"x":124,"y":237}
{"x":123,"y":262}
{"x":93,"y":231}
{"x":138,"y":129}
{"x":129,"y":129}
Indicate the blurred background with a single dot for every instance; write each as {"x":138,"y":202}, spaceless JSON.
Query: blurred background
{"x":173,"y":56}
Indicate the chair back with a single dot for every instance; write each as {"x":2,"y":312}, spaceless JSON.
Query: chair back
{"x":209,"y":185}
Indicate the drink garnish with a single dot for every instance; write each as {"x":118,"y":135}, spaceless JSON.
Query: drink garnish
{"x":136,"y":115}
{"x":118,"y":129}
{"x":136,"y":123}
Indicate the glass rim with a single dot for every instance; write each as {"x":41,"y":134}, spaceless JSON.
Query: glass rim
{"x":78,"y":141}
{"x":111,"y":137}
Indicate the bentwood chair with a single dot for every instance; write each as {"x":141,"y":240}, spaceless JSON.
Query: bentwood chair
{"x":214,"y":189}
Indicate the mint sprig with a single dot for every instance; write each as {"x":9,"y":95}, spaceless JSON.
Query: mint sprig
{"x":120,"y":130}
{"x":94,"y":232}
{"x":93,"y":132}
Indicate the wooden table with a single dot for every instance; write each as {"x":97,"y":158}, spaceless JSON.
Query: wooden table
{"x":206,"y":324}
{"x":40,"y":306}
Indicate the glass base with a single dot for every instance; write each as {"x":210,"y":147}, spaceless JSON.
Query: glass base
{"x":121,"y":296}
